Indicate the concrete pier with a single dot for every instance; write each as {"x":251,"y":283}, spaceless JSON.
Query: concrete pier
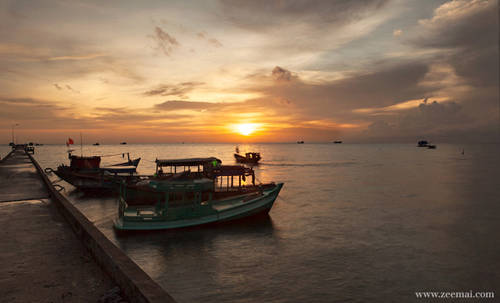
{"x":43,"y":261}
{"x":40,"y":257}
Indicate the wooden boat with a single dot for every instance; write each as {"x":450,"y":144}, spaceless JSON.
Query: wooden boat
{"x":189,"y":200}
{"x":85,"y":173}
{"x":253,"y":158}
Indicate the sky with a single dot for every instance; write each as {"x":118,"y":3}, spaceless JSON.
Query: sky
{"x":249,"y":71}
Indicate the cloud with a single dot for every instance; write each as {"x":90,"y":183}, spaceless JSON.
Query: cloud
{"x":384,"y":87}
{"x":164,"y":42}
{"x":458,"y":23}
{"x":179,"y":90}
{"x":466,"y":29}
{"x":430,"y":119}
{"x":76,"y":57}
{"x":303,"y":29}
{"x":261,"y":14}
{"x":281,"y":74}
{"x":114,"y":110}
{"x":65,"y":87}
{"x":210,"y":40}
{"x":173,"y":105}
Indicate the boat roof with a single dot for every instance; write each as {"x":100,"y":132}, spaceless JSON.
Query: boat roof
{"x":233,"y":170}
{"x":186,"y":162}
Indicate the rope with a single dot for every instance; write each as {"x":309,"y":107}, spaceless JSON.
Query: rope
{"x":112,"y":155}
{"x":58,"y":187}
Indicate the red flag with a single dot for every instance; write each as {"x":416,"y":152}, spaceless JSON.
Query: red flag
{"x":70,"y":141}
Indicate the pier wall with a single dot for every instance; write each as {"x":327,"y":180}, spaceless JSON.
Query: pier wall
{"x":134,"y":282}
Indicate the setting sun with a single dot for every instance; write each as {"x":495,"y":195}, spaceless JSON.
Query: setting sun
{"x":246,"y":129}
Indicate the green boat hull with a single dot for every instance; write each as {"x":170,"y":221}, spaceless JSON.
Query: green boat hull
{"x":220,"y":211}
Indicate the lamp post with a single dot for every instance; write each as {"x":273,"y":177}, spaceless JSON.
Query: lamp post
{"x":14,"y":125}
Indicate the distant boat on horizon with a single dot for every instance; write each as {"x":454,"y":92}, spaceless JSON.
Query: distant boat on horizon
{"x":337,"y":142}
{"x":95,"y":144}
{"x":422,"y":143}
{"x":300,"y":142}
{"x":123,"y":143}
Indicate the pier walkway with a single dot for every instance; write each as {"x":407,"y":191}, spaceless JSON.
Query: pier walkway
{"x":41,"y":260}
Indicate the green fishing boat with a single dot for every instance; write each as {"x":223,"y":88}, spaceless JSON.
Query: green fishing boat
{"x":166,"y":202}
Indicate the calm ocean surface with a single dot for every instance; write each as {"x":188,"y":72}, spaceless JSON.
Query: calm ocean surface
{"x":353,"y":223}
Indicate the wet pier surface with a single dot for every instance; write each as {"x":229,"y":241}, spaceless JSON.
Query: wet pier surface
{"x":40,"y":257}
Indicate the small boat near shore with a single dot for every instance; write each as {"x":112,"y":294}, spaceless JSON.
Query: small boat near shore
{"x":252,"y":158}
{"x":186,"y":198}
{"x":337,"y":142}
{"x":85,"y":173}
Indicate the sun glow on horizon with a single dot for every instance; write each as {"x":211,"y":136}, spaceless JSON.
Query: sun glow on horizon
{"x":246,"y":129}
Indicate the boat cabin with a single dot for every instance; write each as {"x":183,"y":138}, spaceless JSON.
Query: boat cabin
{"x":78,"y":162}
{"x":253,"y":156}
{"x":193,"y":167}
{"x":233,"y":177}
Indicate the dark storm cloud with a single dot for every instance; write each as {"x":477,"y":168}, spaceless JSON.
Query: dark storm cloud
{"x":339,"y":97}
{"x":432,"y":120}
{"x":164,"y":42}
{"x":262,"y":14}
{"x":470,"y":30}
{"x":179,"y":90}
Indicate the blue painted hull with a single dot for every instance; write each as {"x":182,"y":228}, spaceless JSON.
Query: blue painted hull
{"x":238,"y":210}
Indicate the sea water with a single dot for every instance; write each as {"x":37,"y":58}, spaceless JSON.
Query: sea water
{"x":353,"y":223}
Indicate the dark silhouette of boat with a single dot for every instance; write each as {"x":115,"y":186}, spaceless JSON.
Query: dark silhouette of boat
{"x":208,"y":194}
{"x":123,"y":143}
{"x":422,"y":143}
{"x":96,"y":144}
{"x":300,"y":142}
{"x":253,"y":158}
{"x":85,"y":173}
{"x":337,"y":142}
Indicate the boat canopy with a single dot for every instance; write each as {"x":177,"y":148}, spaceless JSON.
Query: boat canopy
{"x":233,"y":170}
{"x":188,"y":162}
